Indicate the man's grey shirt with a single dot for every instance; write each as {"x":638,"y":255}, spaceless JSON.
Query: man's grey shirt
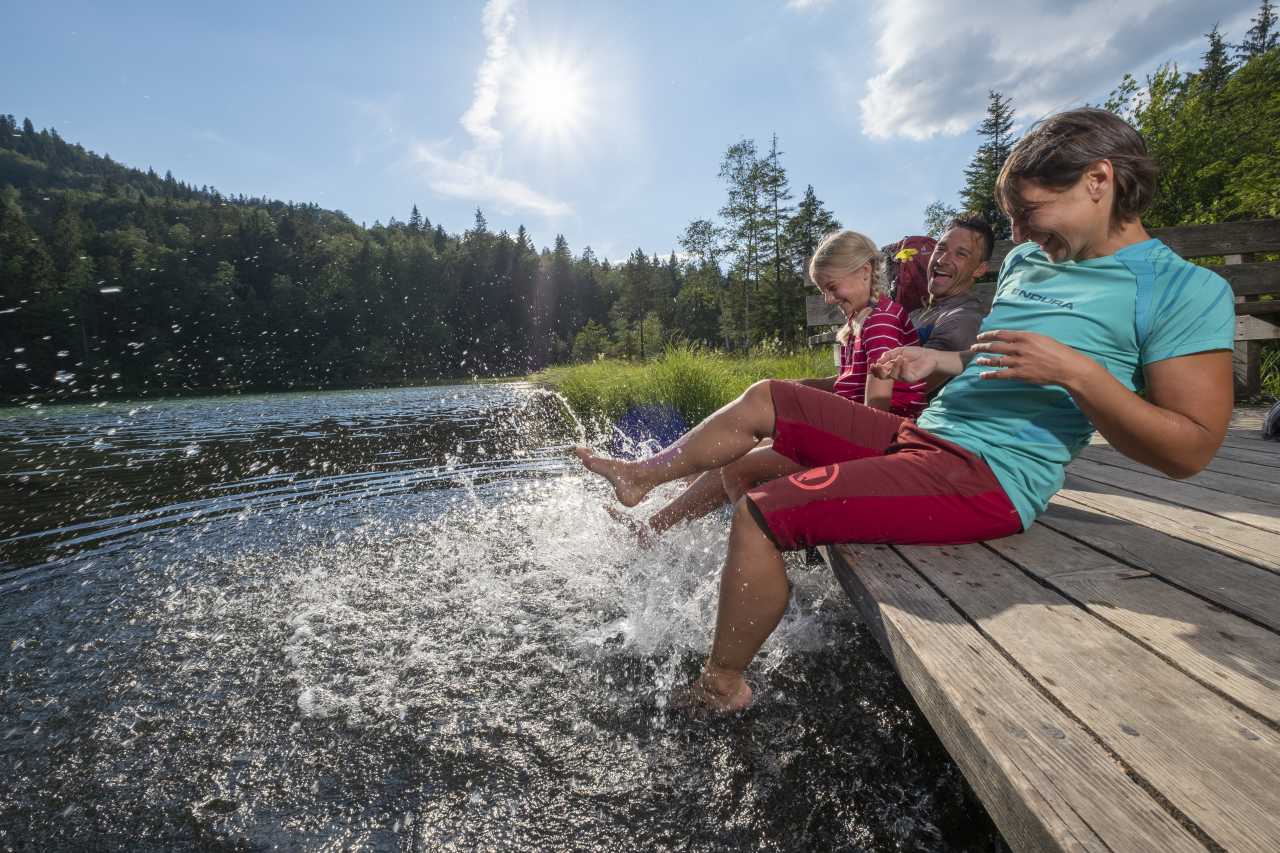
{"x":949,"y":324}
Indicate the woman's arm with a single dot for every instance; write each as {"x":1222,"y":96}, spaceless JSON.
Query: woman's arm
{"x":1176,"y":430}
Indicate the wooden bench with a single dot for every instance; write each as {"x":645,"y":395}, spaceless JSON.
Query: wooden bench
{"x":1110,"y":679}
{"x":1239,"y":244}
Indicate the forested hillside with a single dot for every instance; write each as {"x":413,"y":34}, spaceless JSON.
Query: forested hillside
{"x":115,"y":280}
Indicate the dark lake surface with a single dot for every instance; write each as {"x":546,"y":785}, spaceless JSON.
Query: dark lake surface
{"x":401,"y":620}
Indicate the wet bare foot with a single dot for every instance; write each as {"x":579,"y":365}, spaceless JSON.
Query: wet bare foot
{"x":617,"y":472}
{"x":713,"y":693}
{"x":643,"y":533}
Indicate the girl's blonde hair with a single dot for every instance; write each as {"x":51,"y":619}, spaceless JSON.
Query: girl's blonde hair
{"x":842,"y":252}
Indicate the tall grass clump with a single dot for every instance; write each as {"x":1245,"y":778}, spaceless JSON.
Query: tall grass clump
{"x":693,"y":381}
{"x":1270,"y":369}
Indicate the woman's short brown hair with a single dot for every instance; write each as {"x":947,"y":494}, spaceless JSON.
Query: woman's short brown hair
{"x":1055,"y":153}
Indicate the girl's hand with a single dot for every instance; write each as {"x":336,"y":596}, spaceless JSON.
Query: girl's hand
{"x":1034,"y":358}
{"x":906,"y":364}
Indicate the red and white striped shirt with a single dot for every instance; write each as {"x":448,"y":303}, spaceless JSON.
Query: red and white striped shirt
{"x":886,"y":327}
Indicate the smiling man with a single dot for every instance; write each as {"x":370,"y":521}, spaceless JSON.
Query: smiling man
{"x":953,"y":314}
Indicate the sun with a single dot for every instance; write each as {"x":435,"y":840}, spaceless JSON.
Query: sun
{"x":551,"y":97}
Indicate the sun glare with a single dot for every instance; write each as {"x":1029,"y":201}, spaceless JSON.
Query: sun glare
{"x":550,"y":98}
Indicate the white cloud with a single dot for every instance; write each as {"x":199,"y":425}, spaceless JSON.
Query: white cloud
{"x":499,"y":20}
{"x":936,"y":61}
{"x":476,"y":174}
{"x":806,"y":5}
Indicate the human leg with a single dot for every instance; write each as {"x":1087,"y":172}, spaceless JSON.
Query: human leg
{"x":753,"y":596}
{"x":926,"y":491}
{"x":700,"y":497}
{"x":724,"y":436}
{"x":712,"y":489}
{"x":759,"y":466}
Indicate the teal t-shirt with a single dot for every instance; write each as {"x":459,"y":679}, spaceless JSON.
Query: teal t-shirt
{"x":1141,"y":305}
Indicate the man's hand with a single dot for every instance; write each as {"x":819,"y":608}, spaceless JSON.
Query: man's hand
{"x":1034,"y":358}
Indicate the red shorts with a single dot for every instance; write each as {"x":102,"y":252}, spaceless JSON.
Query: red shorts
{"x":874,"y":477}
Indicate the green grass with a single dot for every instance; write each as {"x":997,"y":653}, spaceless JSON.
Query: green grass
{"x":695,"y":382}
{"x":1270,"y":369}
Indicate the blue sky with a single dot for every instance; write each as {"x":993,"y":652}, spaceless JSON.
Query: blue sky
{"x":605,"y":122}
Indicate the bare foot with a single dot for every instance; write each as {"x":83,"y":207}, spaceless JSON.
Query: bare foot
{"x":714,"y":693}
{"x":619,"y":474}
{"x":644,"y":534}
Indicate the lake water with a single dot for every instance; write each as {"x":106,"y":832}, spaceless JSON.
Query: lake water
{"x":401,"y":620}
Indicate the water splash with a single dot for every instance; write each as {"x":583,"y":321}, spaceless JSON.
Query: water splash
{"x":456,"y":649}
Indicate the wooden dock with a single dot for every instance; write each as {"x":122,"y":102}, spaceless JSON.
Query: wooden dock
{"x":1110,"y":679}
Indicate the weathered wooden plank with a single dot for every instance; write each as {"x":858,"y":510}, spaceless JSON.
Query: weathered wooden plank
{"x":1268,"y":492}
{"x":1246,"y":355}
{"x":1218,"y":464}
{"x":1247,"y":418}
{"x":1251,"y":279}
{"x":1245,"y":426}
{"x":1222,"y":504}
{"x":1251,"y":440}
{"x":1233,"y":584}
{"x":1210,"y":759}
{"x":819,"y":313}
{"x":1221,"y":238}
{"x":1242,"y":541}
{"x":1244,"y":470}
{"x":1255,"y":329}
{"x":1044,"y":779}
{"x":1253,"y":457}
{"x":1198,"y":241}
{"x":1218,"y":648}
{"x":1258,"y":308}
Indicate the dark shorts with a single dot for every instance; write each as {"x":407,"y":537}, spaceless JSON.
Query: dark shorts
{"x":873,"y":477}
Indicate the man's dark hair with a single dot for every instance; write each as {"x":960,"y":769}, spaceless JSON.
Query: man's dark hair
{"x":1056,"y":152}
{"x":978,"y":225}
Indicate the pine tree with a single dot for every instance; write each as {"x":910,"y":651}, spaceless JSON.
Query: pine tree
{"x":1125,"y":100}
{"x":415,"y":220}
{"x":1216,"y":69}
{"x":567,"y":311}
{"x":936,"y":218}
{"x":636,"y":298}
{"x":811,"y":222}
{"x":1262,"y":36}
{"x":744,"y":213}
{"x":777,"y":193}
{"x":979,"y":192}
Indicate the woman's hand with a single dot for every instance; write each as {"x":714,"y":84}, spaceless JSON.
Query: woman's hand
{"x":906,"y":364}
{"x":1034,"y":358}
